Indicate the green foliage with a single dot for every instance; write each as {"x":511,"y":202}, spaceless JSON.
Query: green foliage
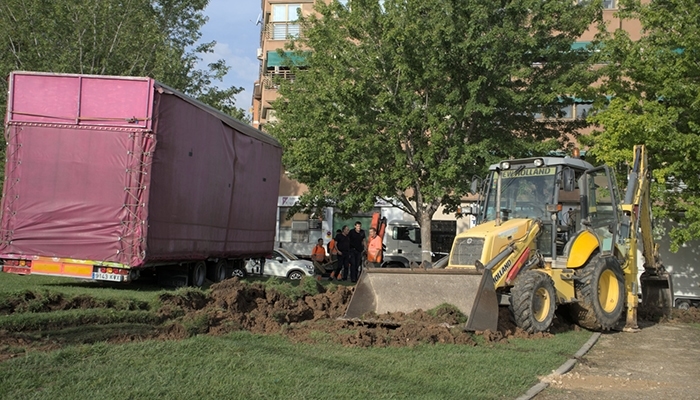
{"x":45,"y":300}
{"x":69,"y":318}
{"x":408,"y":103}
{"x":113,"y":37}
{"x":242,"y":365}
{"x":655,"y":93}
{"x":110,"y":37}
{"x":307,"y":286}
{"x":139,"y":294}
{"x":448,"y":311}
{"x":196,"y":324}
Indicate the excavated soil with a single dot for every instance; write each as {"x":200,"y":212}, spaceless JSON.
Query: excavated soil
{"x":234,"y":305}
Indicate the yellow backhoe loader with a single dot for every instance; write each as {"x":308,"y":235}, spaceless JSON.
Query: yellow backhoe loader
{"x":552,"y":233}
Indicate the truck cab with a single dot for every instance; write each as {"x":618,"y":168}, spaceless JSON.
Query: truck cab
{"x":402,"y":244}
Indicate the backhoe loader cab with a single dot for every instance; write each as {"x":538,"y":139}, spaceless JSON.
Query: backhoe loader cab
{"x":533,"y":190}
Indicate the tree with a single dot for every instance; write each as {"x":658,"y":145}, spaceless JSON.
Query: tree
{"x":407,"y":100}
{"x":113,"y":37}
{"x":654,"y":84}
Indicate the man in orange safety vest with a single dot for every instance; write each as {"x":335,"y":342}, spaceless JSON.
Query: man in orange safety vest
{"x":374,"y":248}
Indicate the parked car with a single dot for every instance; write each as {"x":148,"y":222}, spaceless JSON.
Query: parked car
{"x":282,"y":264}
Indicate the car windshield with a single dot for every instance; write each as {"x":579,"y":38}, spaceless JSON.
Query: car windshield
{"x":524,"y":192}
{"x":287,"y":254}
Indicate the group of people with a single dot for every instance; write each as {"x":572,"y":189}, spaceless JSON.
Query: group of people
{"x":347,"y":249}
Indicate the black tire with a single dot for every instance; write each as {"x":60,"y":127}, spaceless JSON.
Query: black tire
{"x":600,"y":290}
{"x":216,"y":272}
{"x":198,"y":274}
{"x":533,"y":301}
{"x":683,"y":305}
{"x":295,"y":275}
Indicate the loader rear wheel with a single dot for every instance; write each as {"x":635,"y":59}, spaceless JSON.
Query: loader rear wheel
{"x":198,"y":273}
{"x":600,"y":290}
{"x":533,"y":301}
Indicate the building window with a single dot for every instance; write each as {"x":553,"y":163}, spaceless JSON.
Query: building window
{"x":583,"y":110}
{"x":299,"y":229}
{"x":609,"y":4}
{"x":566,"y":112}
{"x":283,"y":21}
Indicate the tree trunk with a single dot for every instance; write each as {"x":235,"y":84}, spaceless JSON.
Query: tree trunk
{"x":426,"y":238}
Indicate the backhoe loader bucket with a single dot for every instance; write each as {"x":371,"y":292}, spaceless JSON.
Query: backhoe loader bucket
{"x":657,"y":295}
{"x":382,"y":290}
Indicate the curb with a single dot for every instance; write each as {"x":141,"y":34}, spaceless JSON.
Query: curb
{"x":564,"y":368}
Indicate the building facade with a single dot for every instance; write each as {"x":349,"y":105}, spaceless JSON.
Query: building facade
{"x":279,"y":22}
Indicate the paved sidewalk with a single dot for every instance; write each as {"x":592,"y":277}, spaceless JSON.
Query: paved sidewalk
{"x":662,"y":361}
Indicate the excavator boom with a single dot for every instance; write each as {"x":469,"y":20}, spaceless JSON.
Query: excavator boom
{"x":656,"y":283}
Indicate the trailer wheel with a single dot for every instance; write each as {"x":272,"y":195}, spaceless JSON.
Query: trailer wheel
{"x":600,"y":291}
{"x":216,"y":272}
{"x":533,"y":301}
{"x":198,"y":274}
{"x":295,"y":275}
{"x":683,"y":304}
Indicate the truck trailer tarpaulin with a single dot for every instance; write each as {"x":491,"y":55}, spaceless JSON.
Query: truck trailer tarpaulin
{"x":108,"y":175}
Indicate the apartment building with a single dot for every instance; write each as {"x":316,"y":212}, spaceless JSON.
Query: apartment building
{"x":278,"y":23}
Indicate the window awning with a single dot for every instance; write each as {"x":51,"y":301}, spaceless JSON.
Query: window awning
{"x":275,"y":60}
{"x":580,"y":45}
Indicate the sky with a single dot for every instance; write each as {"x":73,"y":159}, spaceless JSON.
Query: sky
{"x":232,"y":25}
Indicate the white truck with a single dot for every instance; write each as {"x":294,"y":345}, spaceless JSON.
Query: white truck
{"x":402,"y":242}
{"x":683,"y":266}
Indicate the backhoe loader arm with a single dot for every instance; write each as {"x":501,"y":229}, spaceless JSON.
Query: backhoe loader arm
{"x":637,"y":207}
{"x":655,"y":282}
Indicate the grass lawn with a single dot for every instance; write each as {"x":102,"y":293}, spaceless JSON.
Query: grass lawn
{"x":243,"y":365}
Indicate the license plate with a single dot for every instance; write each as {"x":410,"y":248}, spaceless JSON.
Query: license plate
{"x":101,"y":276}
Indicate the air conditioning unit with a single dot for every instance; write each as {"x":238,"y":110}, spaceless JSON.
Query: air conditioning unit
{"x":260,"y":53}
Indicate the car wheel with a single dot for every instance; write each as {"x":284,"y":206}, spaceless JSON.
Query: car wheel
{"x":295,"y":275}
{"x":238,"y":272}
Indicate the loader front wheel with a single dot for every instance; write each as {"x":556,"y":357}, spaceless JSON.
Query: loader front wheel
{"x":533,"y":301}
{"x":600,"y":290}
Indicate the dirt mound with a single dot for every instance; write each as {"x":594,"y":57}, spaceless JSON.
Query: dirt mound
{"x":691,"y":315}
{"x":308,"y":313}
{"x":316,"y":317}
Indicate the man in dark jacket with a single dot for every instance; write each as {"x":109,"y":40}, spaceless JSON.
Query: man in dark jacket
{"x":358,"y":241}
{"x":342,"y":242}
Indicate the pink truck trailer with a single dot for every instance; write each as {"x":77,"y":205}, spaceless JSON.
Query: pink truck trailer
{"x":107,"y":177}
